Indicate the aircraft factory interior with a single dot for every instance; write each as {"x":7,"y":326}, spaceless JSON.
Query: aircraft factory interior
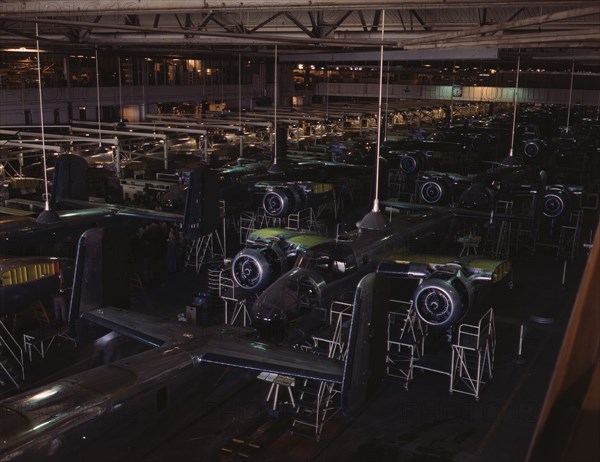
{"x":300,"y":231}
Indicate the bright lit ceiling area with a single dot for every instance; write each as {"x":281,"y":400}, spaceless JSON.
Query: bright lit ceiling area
{"x":544,"y":32}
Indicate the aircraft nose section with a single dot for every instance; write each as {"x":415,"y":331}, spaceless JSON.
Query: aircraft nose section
{"x":478,"y":197}
{"x":270,"y":323}
{"x":284,"y":306}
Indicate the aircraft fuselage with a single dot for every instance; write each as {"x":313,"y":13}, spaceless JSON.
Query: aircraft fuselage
{"x":331,"y":271}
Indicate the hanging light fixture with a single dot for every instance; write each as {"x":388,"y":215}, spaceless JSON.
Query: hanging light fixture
{"x":376,"y":219}
{"x":510,"y":160}
{"x":47,"y":216}
{"x":568,"y":132}
{"x":99,"y":149}
{"x":275,"y":167}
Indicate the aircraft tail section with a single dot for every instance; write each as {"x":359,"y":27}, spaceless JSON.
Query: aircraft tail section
{"x":201,"y":212}
{"x":365,"y":363}
{"x":96,"y":281}
{"x":359,"y":375}
{"x":70,"y":179}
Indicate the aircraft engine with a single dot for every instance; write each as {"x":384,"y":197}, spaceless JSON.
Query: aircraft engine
{"x":556,"y":201}
{"x":253,"y":269}
{"x":436,"y":191}
{"x":442,"y":299}
{"x":533,"y":148}
{"x":282,"y":201}
{"x":412,"y":162}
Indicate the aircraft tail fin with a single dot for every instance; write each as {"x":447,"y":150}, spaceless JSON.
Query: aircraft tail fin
{"x":70,"y":179}
{"x":96,"y":282}
{"x":201,"y":211}
{"x":365,"y":363}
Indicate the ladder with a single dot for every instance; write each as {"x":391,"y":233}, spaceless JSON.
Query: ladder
{"x":227,"y":292}
{"x":318,"y":401}
{"x":12,"y":363}
{"x":305,"y":220}
{"x":502,"y":248}
{"x":473,"y":356}
{"x":568,"y":241}
{"x":397,"y":182}
{"x":405,"y":342}
{"x":247,"y":225}
{"x":264,"y":220}
{"x":317,"y":404}
{"x":201,"y":251}
{"x":331,"y":340}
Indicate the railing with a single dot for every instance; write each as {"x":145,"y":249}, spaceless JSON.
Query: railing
{"x":12,"y":346}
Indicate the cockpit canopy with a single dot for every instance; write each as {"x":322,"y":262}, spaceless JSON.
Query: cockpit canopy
{"x":330,"y":259}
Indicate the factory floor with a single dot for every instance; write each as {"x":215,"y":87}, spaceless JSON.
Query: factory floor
{"x":422,"y":423}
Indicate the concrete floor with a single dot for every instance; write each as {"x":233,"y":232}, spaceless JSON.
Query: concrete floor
{"x":423,"y":423}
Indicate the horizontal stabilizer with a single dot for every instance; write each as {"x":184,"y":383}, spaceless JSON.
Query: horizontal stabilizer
{"x":127,"y":211}
{"x":225,"y":345}
{"x":147,"y":329}
{"x":459,"y":212}
{"x":250,"y":354}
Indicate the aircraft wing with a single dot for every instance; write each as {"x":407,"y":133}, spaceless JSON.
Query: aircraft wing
{"x":224,"y":345}
{"x":149,"y":214}
{"x":459,"y":212}
{"x":147,"y":329}
{"x":247,"y":353}
{"x":409,"y":206}
{"x":16,"y":212}
{"x":479,"y":266}
{"x":124,"y":210}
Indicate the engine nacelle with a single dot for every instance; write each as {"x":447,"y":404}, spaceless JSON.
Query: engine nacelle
{"x":533,"y":148}
{"x":557,"y":202}
{"x":442,"y":299}
{"x":436,"y":191}
{"x":282,"y":200}
{"x":412,"y":162}
{"x":254,"y":268}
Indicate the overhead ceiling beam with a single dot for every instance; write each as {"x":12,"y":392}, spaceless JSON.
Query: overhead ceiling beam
{"x":544,"y":18}
{"x":376,"y":21}
{"x":474,"y":53}
{"x":483,"y":15}
{"x":363,"y":21}
{"x":265,"y":22}
{"x":401,"y":19}
{"x":206,"y":20}
{"x":577,"y":38}
{"x":279,"y":38}
{"x":300,"y":26}
{"x":516,"y":13}
{"x":21,"y":34}
{"x":333,"y":27}
{"x":66,"y":8}
{"x":420,"y":20}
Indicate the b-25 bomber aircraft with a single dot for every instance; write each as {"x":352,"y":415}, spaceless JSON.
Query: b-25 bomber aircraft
{"x":297,"y":302}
